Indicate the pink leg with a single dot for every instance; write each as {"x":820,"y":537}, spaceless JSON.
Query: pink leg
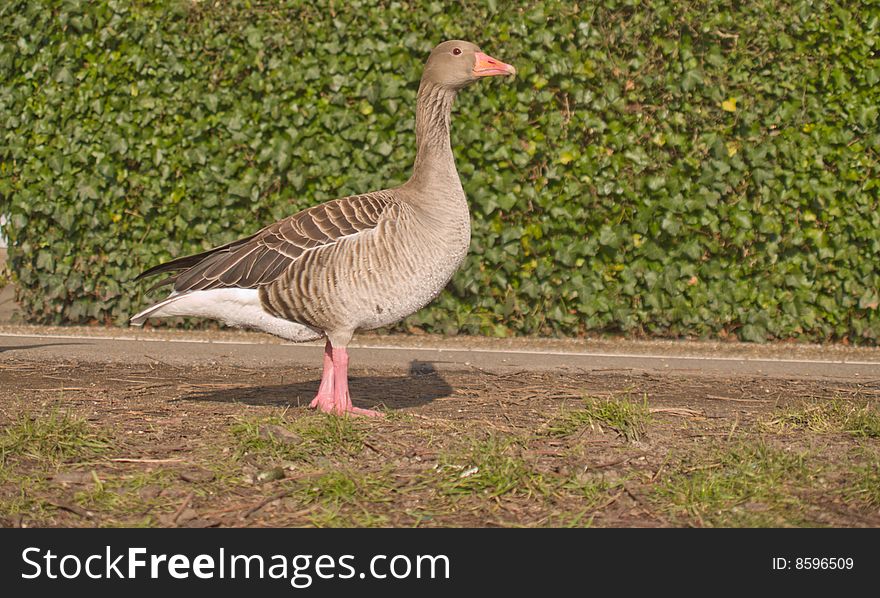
{"x":341,"y":399}
{"x":324,"y":398}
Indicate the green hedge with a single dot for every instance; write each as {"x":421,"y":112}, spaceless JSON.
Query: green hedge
{"x":660,"y":168}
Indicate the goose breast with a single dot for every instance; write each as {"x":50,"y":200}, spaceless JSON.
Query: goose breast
{"x":377,"y":277}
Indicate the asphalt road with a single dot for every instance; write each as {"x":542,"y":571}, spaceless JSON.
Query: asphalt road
{"x":443,"y":353}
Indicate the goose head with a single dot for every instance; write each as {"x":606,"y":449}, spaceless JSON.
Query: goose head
{"x":455,"y":64}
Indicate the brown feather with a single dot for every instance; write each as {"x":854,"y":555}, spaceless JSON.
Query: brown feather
{"x":259,"y":259}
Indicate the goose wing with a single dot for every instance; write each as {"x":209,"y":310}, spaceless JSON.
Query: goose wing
{"x":261,"y":258}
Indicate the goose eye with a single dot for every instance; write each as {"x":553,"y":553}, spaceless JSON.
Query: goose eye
{"x":456,"y":51}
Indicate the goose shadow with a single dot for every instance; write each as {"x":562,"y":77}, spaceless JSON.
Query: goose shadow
{"x":421,"y":385}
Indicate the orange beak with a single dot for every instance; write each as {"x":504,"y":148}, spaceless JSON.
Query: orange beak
{"x":486,"y":66}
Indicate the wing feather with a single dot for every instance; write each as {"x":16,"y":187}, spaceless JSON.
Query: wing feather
{"x":261,"y":258}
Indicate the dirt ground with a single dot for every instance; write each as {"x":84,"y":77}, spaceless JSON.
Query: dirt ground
{"x":104,"y":444}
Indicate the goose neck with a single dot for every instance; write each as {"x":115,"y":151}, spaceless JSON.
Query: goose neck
{"x":434,"y":162}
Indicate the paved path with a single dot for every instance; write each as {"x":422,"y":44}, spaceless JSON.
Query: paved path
{"x":401,"y":352}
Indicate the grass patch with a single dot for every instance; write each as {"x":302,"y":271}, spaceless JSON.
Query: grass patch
{"x":345,"y":487}
{"x":119,"y":498}
{"x":114,"y":501}
{"x":863,"y":480}
{"x":346,"y":499}
{"x":490,"y":467}
{"x":628,"y":418}
{"x":313,"y":435}
{"x":53,"y":437}
{"x":34,"y":445}
{"x":591,"y":489}
{"x":860,"y":420}
{"x":23,"y":496}
{"x":750,"y":485}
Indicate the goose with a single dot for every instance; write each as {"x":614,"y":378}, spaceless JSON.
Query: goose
{"x":356,"y":263}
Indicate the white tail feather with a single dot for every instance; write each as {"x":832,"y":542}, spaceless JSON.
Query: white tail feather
{"x":139,"y":318}
{"x":234,"y":307}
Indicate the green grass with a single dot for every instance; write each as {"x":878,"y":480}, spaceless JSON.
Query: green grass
{"x":543,"y":477}
{"x":751,"y":485}
{"x":591,"y":489}
{"x":35,"y":447}
{"x":864,"y":423}
{"x":860,"y":420}
{"x":628,"y":418}
{"x":339,"y":497}
{"x":492,"y":468}
{"x":494,"y":472}
{"x":863,"y":479}
{"x":114,"y":501}
{"x":346,"y":499}
{"x":52,"y":437}
{"x":120,"y":497}
{"x":307,"y":437}
{"x":26,"y":499}
{"x":342,"y":486}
